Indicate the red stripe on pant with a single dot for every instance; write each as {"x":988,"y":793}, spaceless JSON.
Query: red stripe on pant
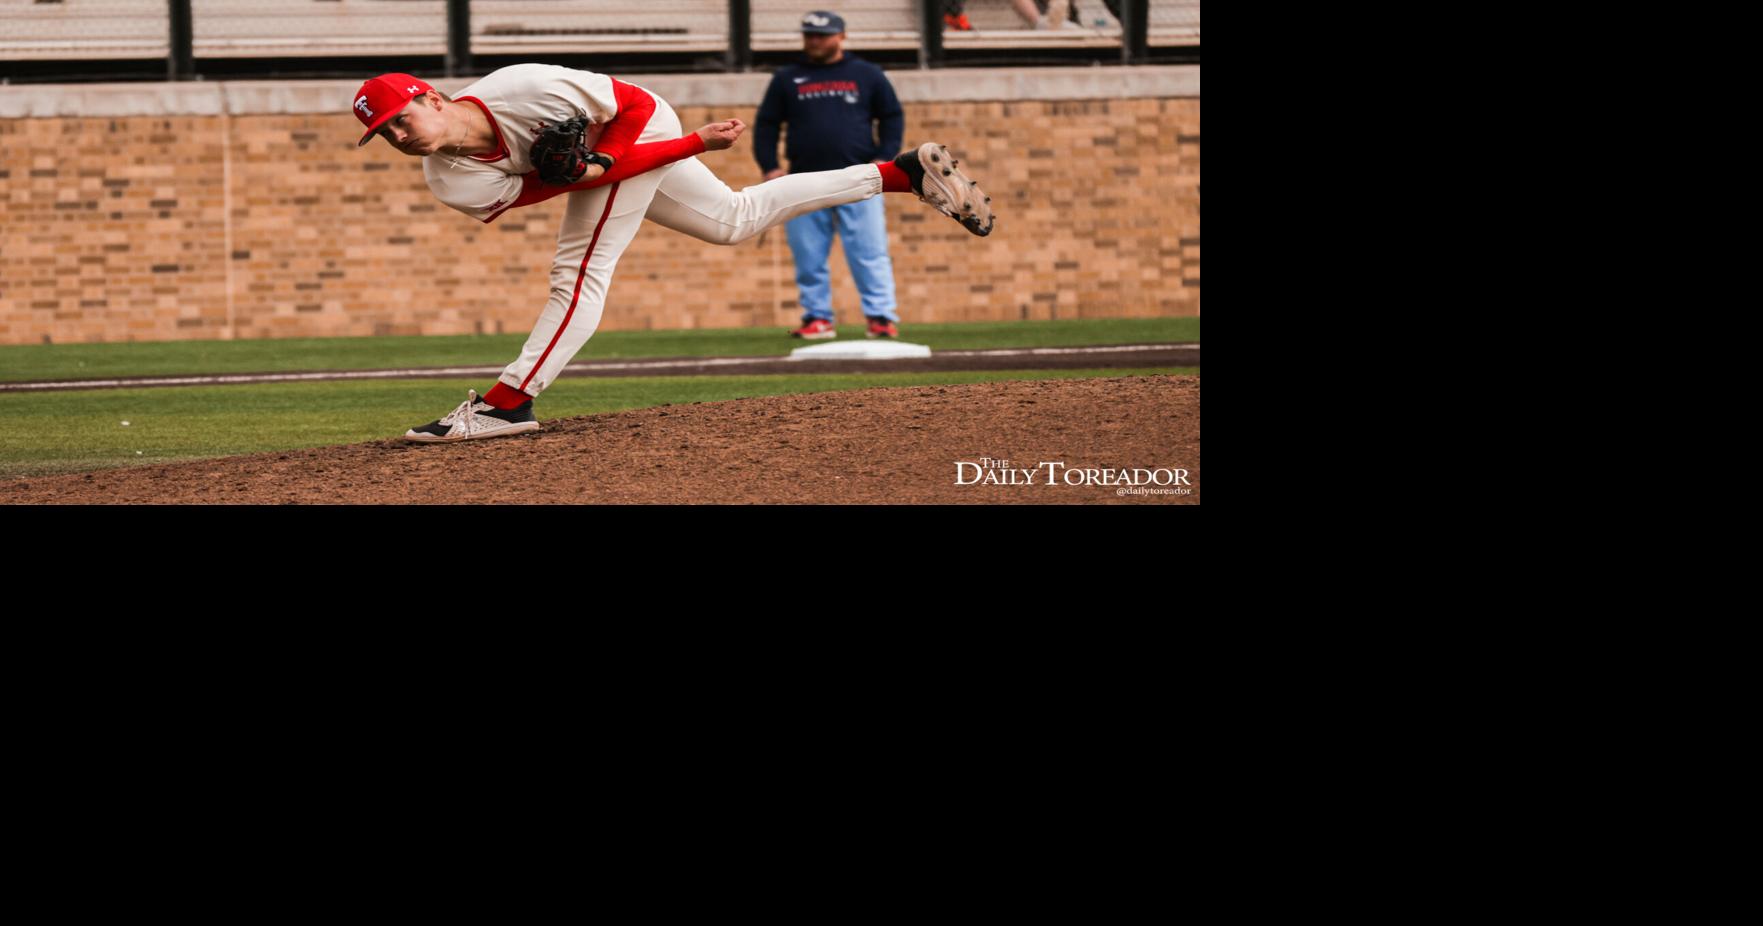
{"x":611,"y":195}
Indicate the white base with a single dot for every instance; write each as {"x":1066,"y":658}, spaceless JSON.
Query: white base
{"x":877,"y":349}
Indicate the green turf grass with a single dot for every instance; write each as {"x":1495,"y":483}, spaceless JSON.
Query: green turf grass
{"x":62,"y":432}
{"x":21,"y":363}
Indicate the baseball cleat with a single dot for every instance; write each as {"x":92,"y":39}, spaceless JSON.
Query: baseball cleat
{"x":815,"y":329}
{"x":937,"y":179}
{"x":475,"y":419}
{"x":882,"y":328}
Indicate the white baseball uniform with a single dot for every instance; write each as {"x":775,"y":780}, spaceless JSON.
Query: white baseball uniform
{"x":599,"y":224}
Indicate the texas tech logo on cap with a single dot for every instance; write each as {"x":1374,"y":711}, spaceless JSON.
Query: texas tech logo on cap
{"x":383,"y":97}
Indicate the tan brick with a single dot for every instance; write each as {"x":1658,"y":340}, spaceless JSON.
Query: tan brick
{"x":1106,"y":226}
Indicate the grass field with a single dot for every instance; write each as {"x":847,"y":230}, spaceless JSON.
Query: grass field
{"x":62,"y":432}
{"x":21,"y":363}
{"x":73,"y":431}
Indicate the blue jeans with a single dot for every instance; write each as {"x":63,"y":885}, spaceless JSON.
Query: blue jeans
{"x":864,"y":229}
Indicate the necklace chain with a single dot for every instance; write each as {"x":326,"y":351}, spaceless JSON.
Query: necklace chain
{"x":453,"y":159}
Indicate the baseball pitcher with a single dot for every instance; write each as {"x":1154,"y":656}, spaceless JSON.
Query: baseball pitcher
{"x":529,"y":132}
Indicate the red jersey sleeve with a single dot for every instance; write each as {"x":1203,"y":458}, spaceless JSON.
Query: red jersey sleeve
{"x":635,"y":106}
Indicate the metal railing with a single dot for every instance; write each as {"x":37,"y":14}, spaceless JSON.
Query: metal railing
{"x":195,"y":36}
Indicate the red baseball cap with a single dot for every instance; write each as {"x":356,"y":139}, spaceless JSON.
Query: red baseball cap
{"x":383,"y":97}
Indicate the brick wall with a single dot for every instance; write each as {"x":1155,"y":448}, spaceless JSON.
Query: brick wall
{"x":116,"y":229}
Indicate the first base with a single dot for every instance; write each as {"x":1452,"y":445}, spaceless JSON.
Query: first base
{"x":860,"y":350}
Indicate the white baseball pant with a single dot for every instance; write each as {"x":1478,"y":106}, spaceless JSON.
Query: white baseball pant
{"x":685,"y":196}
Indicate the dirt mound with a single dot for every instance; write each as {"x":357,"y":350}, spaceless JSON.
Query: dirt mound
{"x":1132,"y":440}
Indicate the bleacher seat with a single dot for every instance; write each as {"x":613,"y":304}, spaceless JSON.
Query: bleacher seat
{"x":137,"y":29}
{"x":84,"y":30}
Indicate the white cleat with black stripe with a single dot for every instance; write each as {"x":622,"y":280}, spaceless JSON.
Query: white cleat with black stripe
{"x":475,"y":419}
{"x":937,"y":179}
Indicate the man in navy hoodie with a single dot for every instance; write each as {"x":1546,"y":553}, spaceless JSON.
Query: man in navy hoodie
{"x":833,"y":103}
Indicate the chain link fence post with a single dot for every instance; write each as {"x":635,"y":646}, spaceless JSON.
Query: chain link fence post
{"x":1135,"y":29}
{"x":181,"y":62}
{"x":740,"y":35}
{"x":458,"y":37}
{"x":930,"y":50}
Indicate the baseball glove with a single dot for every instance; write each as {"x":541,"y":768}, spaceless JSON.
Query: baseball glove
{"x":558,"y":153}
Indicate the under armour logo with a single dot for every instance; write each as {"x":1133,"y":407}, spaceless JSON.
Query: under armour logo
{"x":361,"y":104}
{"x":813,"y":19}
{"x":410,"y":89}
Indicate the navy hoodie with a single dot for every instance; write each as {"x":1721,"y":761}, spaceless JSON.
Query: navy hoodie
{"x":831,"y":110}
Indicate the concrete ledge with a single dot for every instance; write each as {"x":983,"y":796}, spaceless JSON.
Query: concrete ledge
{"x":246,"y":98}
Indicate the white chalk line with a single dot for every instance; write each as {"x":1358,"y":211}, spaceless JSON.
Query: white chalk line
{"x":443,"y":372}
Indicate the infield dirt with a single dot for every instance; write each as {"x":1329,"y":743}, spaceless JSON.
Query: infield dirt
{"x":872,"y":446}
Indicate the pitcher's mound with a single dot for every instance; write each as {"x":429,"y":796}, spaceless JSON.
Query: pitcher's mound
{"x":1132,"y":440}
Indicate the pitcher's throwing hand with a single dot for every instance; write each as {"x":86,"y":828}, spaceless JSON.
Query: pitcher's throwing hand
{"x":720,"y":135}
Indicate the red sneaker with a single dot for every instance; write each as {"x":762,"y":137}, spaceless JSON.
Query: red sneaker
{"x":959,"y":23}
{"x":815,"y":329}
{"x":882,"y":328}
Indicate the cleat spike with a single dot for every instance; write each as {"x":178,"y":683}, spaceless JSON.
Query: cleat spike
{"x":953,"y":193}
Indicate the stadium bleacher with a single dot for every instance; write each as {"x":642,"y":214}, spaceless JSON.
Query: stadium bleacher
{"x":137,"y":30}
